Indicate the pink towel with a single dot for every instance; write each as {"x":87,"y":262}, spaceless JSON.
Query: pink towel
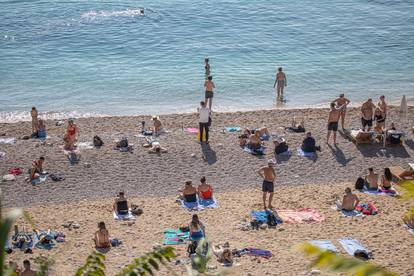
{"x":300,"y":216}
{"x":192,"y":130}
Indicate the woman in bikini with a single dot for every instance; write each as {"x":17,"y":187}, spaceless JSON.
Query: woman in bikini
{"x":197,"y":230}
{"x":189,"y":194}
{"x":386,"y":179}
{"x":205,"y":191}
{"x":101,"y":237}
{"x":71,"y":135}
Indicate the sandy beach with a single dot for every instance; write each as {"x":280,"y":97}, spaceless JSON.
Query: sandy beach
{"x":152,"y":181}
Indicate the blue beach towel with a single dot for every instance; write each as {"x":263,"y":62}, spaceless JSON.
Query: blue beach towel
{"x":306,"y":154}
{"x":42,"y":178}
{"x":208,"y":203}
{"x":175,"y":237}
{"x":353,"y":213}
{"x":351,"y":246}
{"x":261,"y":216}
{"x":324,"y":245}
{"x":233,"y":129}
{"x":191,"y":206}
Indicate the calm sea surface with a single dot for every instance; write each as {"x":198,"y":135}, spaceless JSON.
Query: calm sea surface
{"x":88,"y":57}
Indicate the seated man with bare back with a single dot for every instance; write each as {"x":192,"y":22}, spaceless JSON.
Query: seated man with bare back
{"x":349,"y":201}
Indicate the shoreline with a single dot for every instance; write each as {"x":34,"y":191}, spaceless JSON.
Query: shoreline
{"x":10,"y":117}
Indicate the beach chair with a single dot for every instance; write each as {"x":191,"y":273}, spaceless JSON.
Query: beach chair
{"x":359,"y":136}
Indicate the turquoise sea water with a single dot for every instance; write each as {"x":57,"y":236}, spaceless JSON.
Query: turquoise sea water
{"x":104,"y":57}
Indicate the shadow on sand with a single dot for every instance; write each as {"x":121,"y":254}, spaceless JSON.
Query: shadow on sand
{"x":208,"y":153}
{"x":339,"y":155}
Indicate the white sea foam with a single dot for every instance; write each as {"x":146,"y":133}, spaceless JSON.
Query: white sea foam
{"x":123,"y":13}
{"x":12,"y":117}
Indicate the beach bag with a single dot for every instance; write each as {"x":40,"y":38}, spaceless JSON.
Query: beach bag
{"x":359,"y":184}
{"x":136,"y":211}
{"x":191,"y":249}
{"x":57,"y":177}
{"x":97,"y":141}
{"x":271,"y":220}
{"x":123,"y":143}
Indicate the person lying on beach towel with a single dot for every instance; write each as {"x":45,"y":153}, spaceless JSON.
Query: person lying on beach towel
{"x":309,"y":144}
{"x":281,"y":147}
{"x":156,"y":148}
{"x":205,"y":191}
{"x":297,"y":127}
{"x":223,"y":254}
{"x":349,"y":201}
{"x":197,"y":229}
{"x":121,"y":206}
{"x":23,"y":240}
{"x":45,"y":240}
{"x":371,"y":180}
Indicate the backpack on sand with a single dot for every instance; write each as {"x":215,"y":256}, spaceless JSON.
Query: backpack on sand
{"x":123,"y":143}
{"x":359,"y":185}
{"x":97,"y":141}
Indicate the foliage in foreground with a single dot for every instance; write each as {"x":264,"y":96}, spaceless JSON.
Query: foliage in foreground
{"x":351,"y":266}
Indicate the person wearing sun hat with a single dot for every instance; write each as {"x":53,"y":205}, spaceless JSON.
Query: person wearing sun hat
{"x":269,"y":175}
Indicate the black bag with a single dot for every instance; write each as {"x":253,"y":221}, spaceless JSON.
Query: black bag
{"x":123,"y":143}
{"x":359,"y":184}
{"x":209,"y":121}
{"x":97,"y":141}
{"x":271,"y":220}
{"x":57,"y":177}
{"x":191,"y":249}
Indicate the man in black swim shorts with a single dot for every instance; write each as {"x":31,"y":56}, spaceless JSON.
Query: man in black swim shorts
{"x":334,"y":115}
{"x":268,"y":174}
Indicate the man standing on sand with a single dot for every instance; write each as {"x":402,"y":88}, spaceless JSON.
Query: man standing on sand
{"x":209,"y":86}
{"x":367,"y":111}
{"x":333,"y":119}
{"x":204,"y":116}
{"x":281,"y":82}
{"x":268,"y":174}
{"x":35,"y":120}
{"x":383,"y":108}
{"x":342,"y":102}
{"x":27,"y":270}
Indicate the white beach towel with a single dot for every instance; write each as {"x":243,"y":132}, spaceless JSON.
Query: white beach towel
{"x":9,"y":177}
{"x":128,"y":216}
{"x":324,"y":245}
{"x":351,"y":246}
{"x":306,"y":154}
{"x":8,"y":141}
{"x":84,"y":145}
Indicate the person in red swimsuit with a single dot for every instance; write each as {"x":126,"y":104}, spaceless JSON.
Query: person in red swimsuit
{"x":205,"y":191}
{"x":71,"y":135}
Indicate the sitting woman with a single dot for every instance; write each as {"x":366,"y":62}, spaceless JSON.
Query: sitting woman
{"x":254,"y":141}
{"x":158,"y":127}
{"x":380,"y":119}
{"x":197,"y":230}
{"x":101,"y":237}
{"x":371,"y":180}
{"x":280,"y":145}
{"x":189,"y":194}
{"x":205,"y":191}
{"x":121,"y":204}
{"x":386,"y":179}
{"x":37,"y":168}
{"x":71,"y":135}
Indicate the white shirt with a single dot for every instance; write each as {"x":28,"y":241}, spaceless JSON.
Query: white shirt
{"x":204,"y":114}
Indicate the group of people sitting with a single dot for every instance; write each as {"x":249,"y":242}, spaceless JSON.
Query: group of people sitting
{"x":190,"y":193}
{"x":253,"y":138}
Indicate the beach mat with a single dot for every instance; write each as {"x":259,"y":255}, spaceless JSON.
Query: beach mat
{"x":190,"y":206}
{"x":351,"y":246}
{"x":261,"y":216}
{"x":41,"y":179}
{"x":380,"y":191}
{"x":324,"y":245}
{"x":345,"y":213}
{"x":128,"y":216}
{"x":175,"y":237}
{"x":306,"y":154}
{"x":300,"y":215}
{"x":85,"y":145}
{"x":256,"y":252}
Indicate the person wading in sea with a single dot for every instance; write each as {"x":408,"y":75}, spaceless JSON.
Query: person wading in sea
{"x":280,"y":83}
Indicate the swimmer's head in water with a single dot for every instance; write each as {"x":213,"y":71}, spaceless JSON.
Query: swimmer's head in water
{"x":341,"y":95}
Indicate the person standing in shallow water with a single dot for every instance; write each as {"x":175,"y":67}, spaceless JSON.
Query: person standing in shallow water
{"x":209,"y":86}
{"x":207,"y":68}
{"x":280,"y":83}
